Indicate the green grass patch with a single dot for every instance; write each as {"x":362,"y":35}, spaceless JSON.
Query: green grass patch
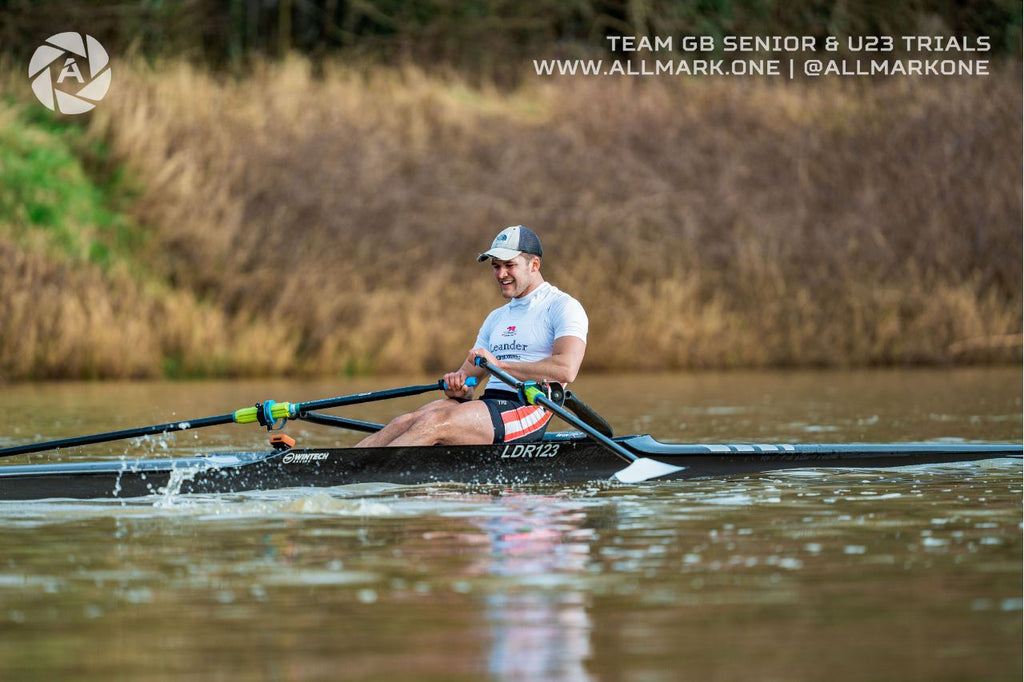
{"x":59,"y":190}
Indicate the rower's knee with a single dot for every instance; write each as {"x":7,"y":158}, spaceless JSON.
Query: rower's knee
{"x":410,"y":420}
{"x":402,"y":421}
{"x":434,"y":425}
{"x":434,"y":419}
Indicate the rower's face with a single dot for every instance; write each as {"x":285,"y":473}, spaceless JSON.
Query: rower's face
{"x":516,"y":277}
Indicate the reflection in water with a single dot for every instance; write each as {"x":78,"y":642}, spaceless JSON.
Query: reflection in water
{"x":539,"y":625}
{"x":539,"y":636}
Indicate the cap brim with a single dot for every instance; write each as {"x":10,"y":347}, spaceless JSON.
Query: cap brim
{"x":500,"y":254}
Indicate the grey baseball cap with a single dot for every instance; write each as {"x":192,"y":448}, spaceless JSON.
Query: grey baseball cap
{"x":511,"y":242}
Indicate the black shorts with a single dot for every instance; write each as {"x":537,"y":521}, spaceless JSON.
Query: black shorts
{"x":514,"y":421}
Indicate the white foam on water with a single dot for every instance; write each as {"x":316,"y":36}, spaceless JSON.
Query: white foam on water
{"x":934,"y":542}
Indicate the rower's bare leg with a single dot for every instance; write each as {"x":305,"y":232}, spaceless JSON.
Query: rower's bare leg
{"x":451,"y":424}
{"x":400,"y":424}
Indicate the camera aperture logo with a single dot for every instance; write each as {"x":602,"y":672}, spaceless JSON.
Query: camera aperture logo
{"x":70,"y":73}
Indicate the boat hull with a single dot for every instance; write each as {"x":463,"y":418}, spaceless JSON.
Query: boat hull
{"x":569,"y":458}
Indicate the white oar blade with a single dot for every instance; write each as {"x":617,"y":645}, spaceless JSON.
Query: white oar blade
{"x":645,"y":469}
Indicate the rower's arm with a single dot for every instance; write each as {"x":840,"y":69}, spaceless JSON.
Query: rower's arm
{"x":563,"y":365}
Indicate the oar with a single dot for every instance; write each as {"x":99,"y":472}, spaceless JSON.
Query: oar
{"x":640,"y":468}
{"x":269,"y":413}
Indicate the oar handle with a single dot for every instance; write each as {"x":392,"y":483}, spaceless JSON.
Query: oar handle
{"x":470,"y":381}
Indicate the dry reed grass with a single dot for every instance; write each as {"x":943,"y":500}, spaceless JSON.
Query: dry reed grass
{"x":63,"y":320}
{"x":324,"y":225}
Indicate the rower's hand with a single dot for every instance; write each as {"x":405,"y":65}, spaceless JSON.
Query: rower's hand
{"x":456,"y":385}
{"x":486,"y":355}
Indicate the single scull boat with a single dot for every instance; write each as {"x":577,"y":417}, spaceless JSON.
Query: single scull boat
{"x":564,"y":457}
{"x":589,"y":454}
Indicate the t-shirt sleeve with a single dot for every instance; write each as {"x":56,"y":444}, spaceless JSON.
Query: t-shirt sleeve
{"x":570,"y":319}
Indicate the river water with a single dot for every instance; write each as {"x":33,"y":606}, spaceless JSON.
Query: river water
{"x":903,"y":574}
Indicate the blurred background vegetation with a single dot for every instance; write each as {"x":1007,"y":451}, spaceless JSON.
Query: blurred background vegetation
{"x":483,"y":37}
{"x":291,"y":186}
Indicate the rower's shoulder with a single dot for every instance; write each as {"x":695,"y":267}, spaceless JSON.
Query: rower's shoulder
{"x":551,"y":292}
{"x":561,"y":299}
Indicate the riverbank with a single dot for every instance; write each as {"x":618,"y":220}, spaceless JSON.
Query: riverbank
{"x":283,"y":223}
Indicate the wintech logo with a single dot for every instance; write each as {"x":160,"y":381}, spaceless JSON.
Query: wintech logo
{"x":304,"y":457}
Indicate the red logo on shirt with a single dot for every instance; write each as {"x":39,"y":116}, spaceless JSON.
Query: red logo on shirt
{"x":511,"y":331}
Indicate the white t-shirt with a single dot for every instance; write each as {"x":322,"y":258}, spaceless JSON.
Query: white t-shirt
{"x":525,"y":329}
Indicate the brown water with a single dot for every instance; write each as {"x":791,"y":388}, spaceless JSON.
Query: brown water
{"x":905,"y":574}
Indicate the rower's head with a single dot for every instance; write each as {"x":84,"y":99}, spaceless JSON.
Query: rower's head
{"x":515,"y":256}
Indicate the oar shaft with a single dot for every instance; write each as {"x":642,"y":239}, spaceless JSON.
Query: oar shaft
{"x":156,"y":429}
{"x":341,"y":401}
{"x":557,"y":409}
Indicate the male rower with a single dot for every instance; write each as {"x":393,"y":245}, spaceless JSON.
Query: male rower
{"x":539,"y":335}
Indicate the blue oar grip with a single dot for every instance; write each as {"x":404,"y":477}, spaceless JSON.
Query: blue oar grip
{"x":470,"y":381}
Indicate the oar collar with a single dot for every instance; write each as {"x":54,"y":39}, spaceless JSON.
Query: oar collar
{"x":529,"y":391}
